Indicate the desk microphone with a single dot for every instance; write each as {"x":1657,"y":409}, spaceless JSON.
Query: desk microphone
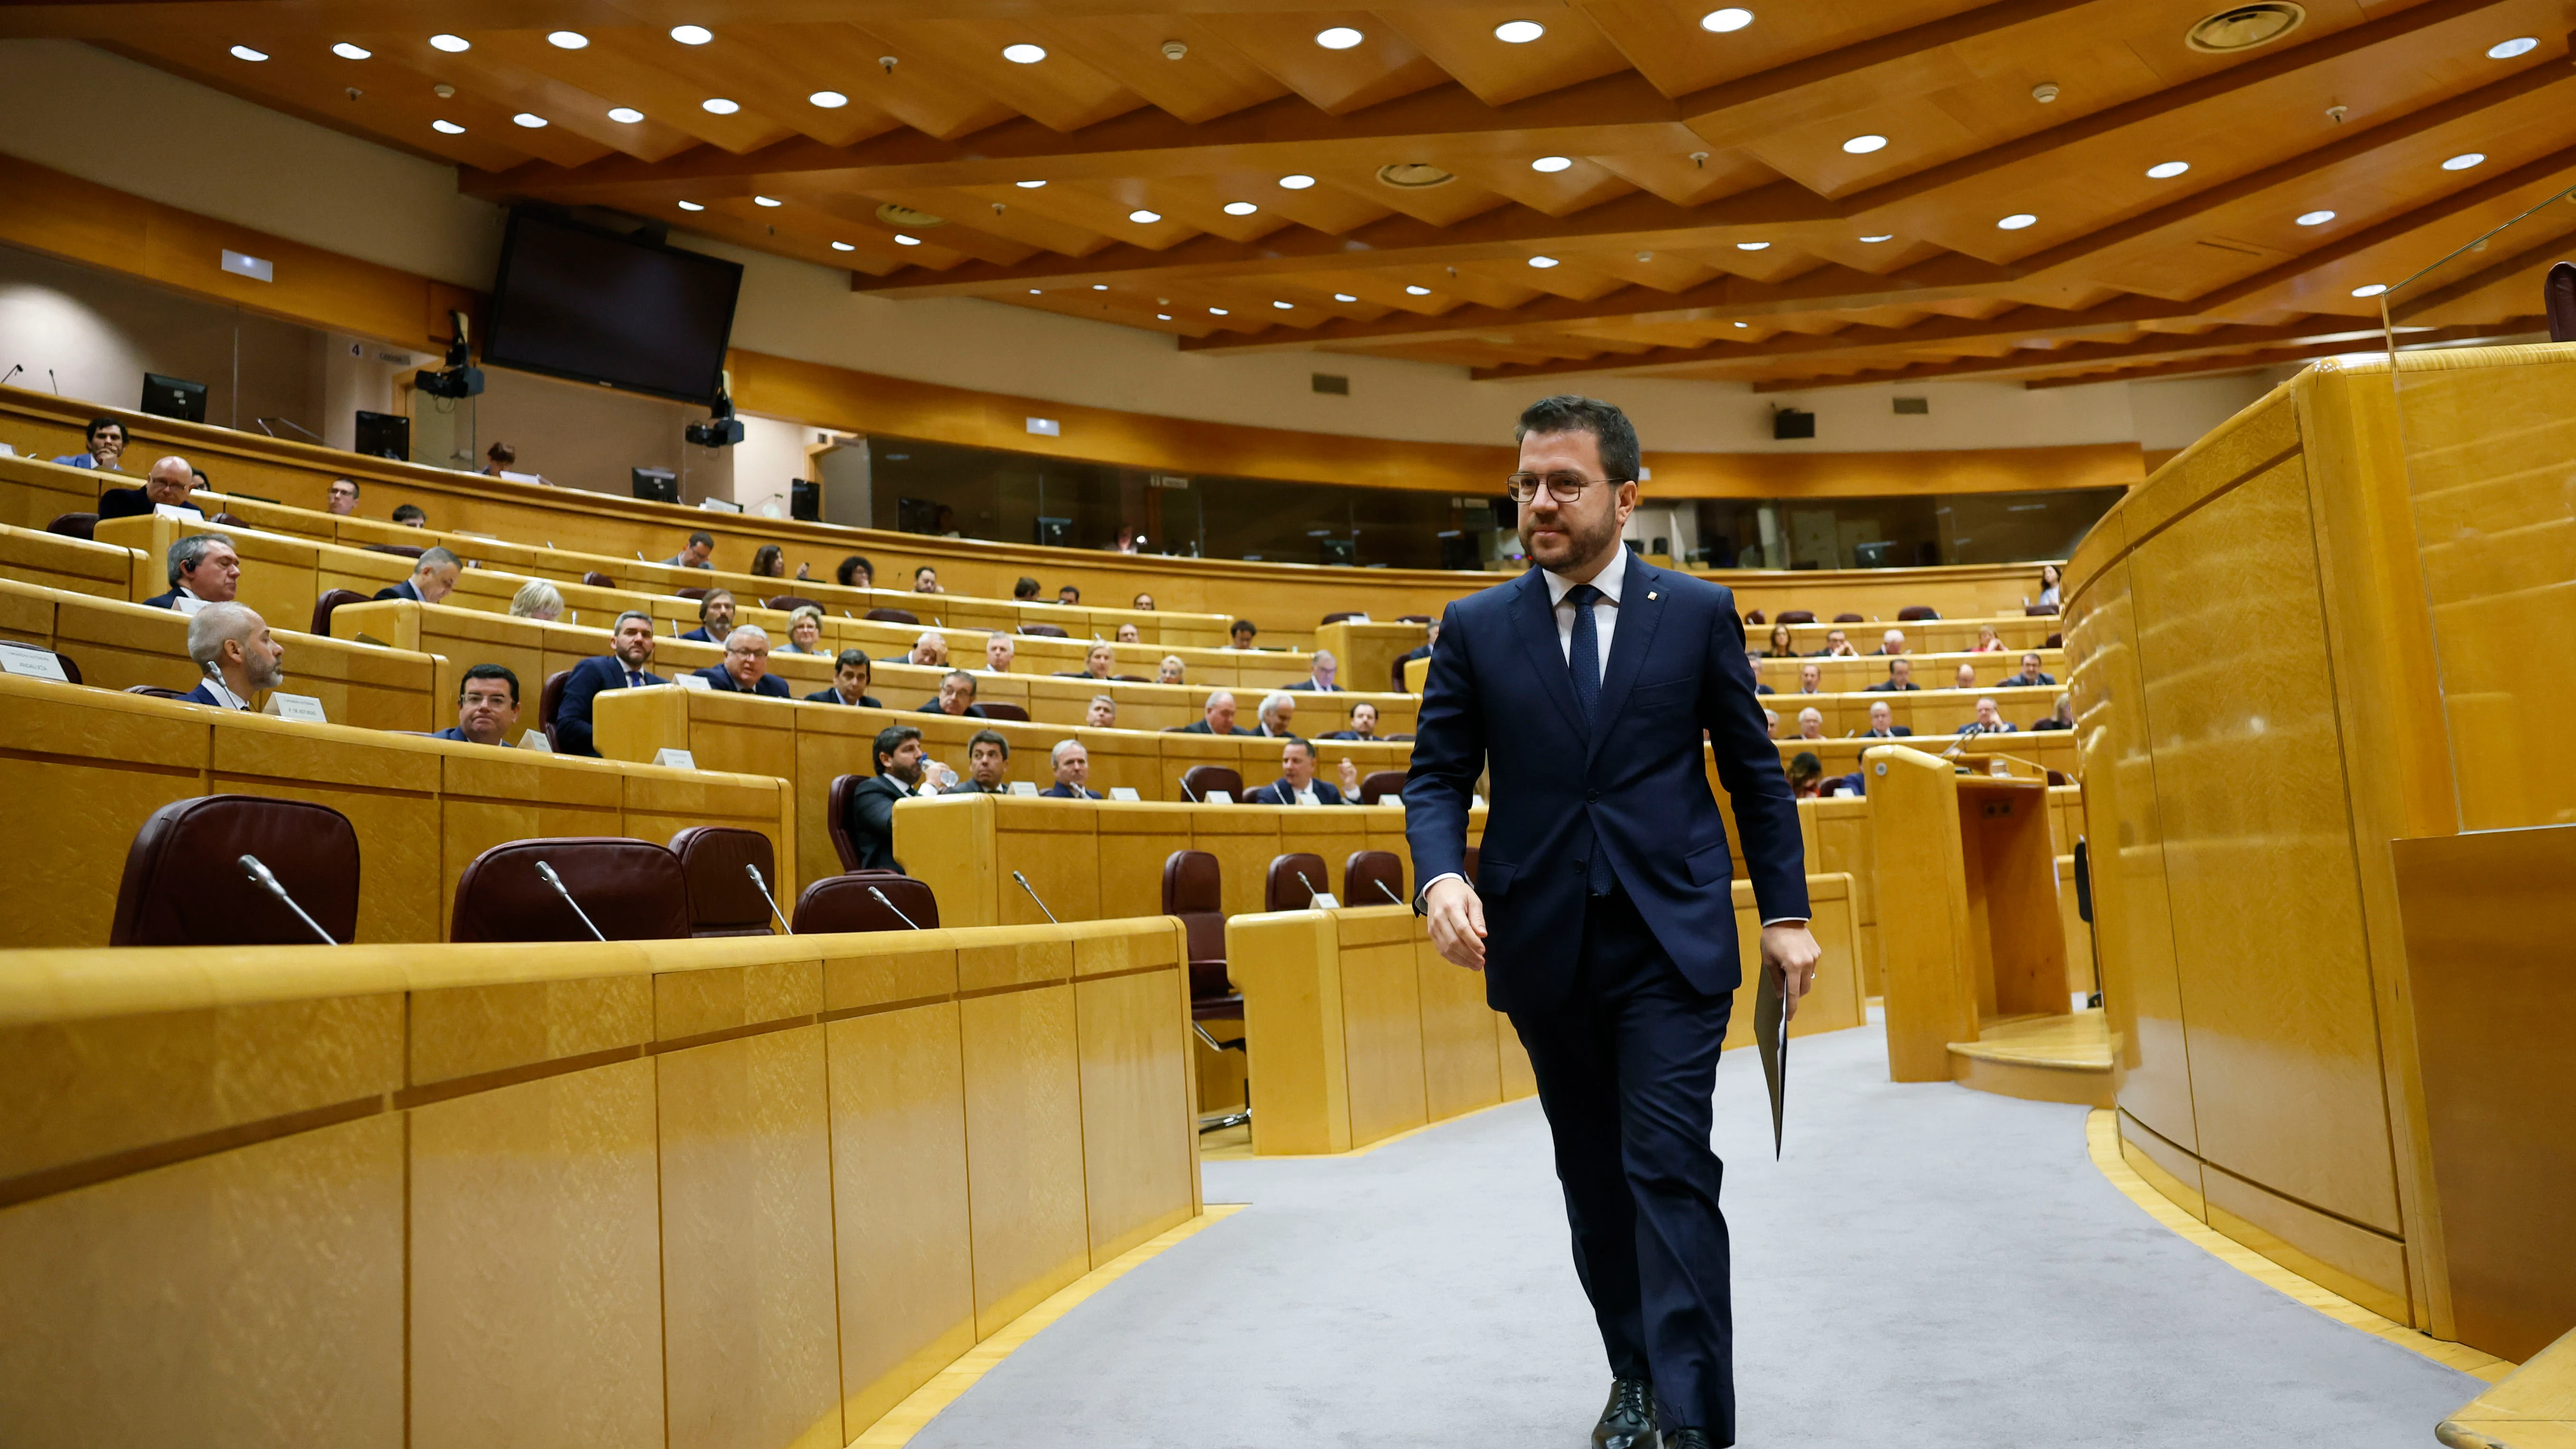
{"x":1187,"y":794}
{"x":1974,"y":729}
{"x":1311,"y":892}
{"x":57,"y":382}
{"x":1384,"y":890}
{"x":14,"y":371}
{"x":909,"y":921}
{"x":762,"y":886}
{"x":556,"y":881}
{"x":1033,"y":895}
{"x":267,"y":881}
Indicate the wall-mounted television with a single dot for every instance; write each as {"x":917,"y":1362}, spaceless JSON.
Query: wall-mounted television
{"x":581,"y":302}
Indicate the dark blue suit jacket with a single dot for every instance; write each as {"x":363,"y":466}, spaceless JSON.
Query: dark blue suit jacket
{"x":1499,"y":697}
{"x":572,"y":712}
{"x":202,"y":695}
{"x":1068,"y":792}
{"x":1276,"y":793}
{"x":770,"y":684}
{"x":122,"y":502}
{"x":169,"y":600}
{"x":403,"y":590}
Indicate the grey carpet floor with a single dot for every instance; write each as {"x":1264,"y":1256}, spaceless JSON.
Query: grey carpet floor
{"x":1928,"y":1266}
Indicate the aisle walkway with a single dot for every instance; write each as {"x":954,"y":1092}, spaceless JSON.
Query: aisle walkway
{"x":1929,"y":1267}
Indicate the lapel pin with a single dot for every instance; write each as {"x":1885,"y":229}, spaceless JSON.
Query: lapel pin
{"x":1650,"y":598}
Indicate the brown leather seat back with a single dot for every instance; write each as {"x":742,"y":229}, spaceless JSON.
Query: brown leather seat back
{"x":184,"y":883}
{"x":843,"y":787}
{"x":1365,"y":871}
{"x":790,"y":602}
{"x":405,"y":550}
{"x":633,"y":890}
{"x":598,"y":580}
{"x":328,"y":604}
{"x":840,"y":903}
{"x":695,"y":595}
{"x":1198,"y":780}
{"x":1193,"y":890}
{"x":1797,"y":616}
{"x":1001,"y":709}
{"x":1293,"y":882}
{"x":1340,"y":615}
{"x":722,"y":899}
{"x":549,"y":700}
{"x":1044,"y":631}
{"x":894,"y":616}
{"x":154,"y":691}
{"x":1916,"y":613}
{"x":1849,"y":619}
{"x":75,"y":525}
{"x":1376,"y":785}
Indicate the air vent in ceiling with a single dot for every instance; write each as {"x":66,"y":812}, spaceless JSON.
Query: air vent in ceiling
{"x":893,"y":215}
{"x":1414,"y":175}
{"x":2245,"y":27}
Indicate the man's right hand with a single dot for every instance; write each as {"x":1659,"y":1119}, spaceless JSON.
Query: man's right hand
{"x":1457,"y":922}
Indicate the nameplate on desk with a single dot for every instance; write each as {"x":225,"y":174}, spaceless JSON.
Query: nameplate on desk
{"x":186,"y":604}
{"x":29,"y":663}
{"x":1476,"y":802}
{"x":178,"y":511}
{"x":675,"y":759}
{"x":296,"y":707}
{"x":536,"y":740}
{"x":370,"y":641}
{"x":1217,"y":797}
{"x":693,"y":681}
{"x":1123,"y":792}
{"x":1324,"y":901}
{"x":1023,"y":787}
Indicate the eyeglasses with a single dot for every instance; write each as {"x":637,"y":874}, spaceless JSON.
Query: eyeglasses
{"x":1563,"y":487}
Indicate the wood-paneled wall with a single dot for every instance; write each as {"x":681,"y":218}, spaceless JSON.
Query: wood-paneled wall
{"x":687,"y":1193}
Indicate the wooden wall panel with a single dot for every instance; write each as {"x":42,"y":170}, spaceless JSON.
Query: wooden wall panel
{"x":1134,"y":1043}
{"x":1024,"y":1149}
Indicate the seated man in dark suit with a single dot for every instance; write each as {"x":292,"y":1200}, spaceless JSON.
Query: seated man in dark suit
{"x":956,"y":696}
{"x":1838,"y":645}
{"x":1900,"y":677}
{"x":2030,"y":675}
{"x":698,"y":554}
{"x":715,"y":618}
{"x":745,"y":666}
{"x":1363,"y":724}
{"x":1297,"y":784}
{"x":1882,"y":724}
{"x":929,"y":650}
{"x":1989,"y":720}
{"x":1424,"y":652}
{"x":849,"y":682}
{"x":433,"y":577}
{"x":202,"y":567}
{"x":1321,"y":672}
{"x":1101,"y":713}
{"x":1753,"y":661}
{"x":988,"y":766}
{"x":1218,"y":718}
{"x":2062,"y":719}
{"x":1072,"y":772}
{"x":630,"y":646}
{"x":1811,"y":679}
{"x":231,"y":647}
{"x":901,"y":771}
{"x":1891,"y":642}
{"x":168,"y":483}
{"x":409,"y":515}
{"x":487,"y":707}
{"x":105,"y":442}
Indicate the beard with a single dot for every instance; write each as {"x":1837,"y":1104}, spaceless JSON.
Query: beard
{"x":1582,"y":543}
{"x":264,"y":674}
{"x":909,"y":774}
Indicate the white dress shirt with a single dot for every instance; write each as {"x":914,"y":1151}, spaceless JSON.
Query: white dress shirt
{"x":223,"y":692}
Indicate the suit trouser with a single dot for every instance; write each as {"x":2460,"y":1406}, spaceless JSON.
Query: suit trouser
{"x":1626,"y":1067}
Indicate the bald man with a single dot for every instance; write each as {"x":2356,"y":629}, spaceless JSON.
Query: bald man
{"x":168,"y":483}
{"x":231,"y":647}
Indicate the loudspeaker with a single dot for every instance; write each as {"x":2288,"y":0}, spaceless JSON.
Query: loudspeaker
{"x":1790,"y":423}
{"x":805,"y":500}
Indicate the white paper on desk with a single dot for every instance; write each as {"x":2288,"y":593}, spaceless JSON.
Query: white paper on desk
{"x":29,"y":663}
{"x":178,"y":511}
{"x":1123,"y":792}
{"x":693,"y":681}
{"x":296,"y":707}
{"x":1023,"y":787}
{"x":675,"y":759}
{"x":1217,"y":797}
{"x":1325,"y":901}
{"x":186,"y":604}
{"x":536,"y":740}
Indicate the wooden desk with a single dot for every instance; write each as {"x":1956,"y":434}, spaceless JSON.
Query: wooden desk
{"x":76,"y":565}
{"x":85,"y":767}
{"x":1930,"y":670}
{"x":1368,"y":648}
{"x":537,"y":1195}
{"x":2018,"y":631}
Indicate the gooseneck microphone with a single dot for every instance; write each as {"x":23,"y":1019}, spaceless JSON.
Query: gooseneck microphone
{"x":1311,"y":892}
{"x":267,"y":880}
{"x":762,"y":886}
{"x":907,"y":920}
{"x":1188,"y":794}
{"x":1033,"y":895}
{"x":1392,"y":897}
{"x":556,"y":881}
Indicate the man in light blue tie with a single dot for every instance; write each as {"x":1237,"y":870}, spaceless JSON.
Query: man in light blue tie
{"x":630,"y":649}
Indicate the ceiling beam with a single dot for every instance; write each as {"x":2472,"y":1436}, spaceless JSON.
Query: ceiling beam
{"x":2274,"y":356}
{"x":2089,"y":354}
{"x":2417,"y":303}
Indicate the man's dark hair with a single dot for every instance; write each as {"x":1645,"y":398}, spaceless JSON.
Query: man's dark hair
{"x":490,"y":671}
{"x":709,"y":597}
{"x":1069,"y":589}
{"x":1360,"y":704}
{"x":354,"y":489}
{"x":850,"y":568}
{"x":924,"y":569}
{"x":630,"y":614}
{"x":960,"y":674}
{"x":988,"y":737}
{"x":405,"y":513}
{"x":853,"y":658}
{"x":1243,"y":626}
{"x":890,"y":739}
{"x":1026,"y":588}
{"x":1566,"y":413}
{"x":1300,"y":742}
{"x":204,"y":482}
{"x":189,"y":551}
{"x":1805,"y":766}
{"x":98,"y":426}
{"x":702,"y":536}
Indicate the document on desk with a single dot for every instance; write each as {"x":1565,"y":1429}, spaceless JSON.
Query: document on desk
{"x":1771,"y":1039}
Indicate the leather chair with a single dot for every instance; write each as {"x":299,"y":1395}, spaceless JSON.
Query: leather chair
{"x":2058,"y":777}
{"x":404,"y":550}
{"x":2055,"y":641}
{"x":1336,"y":618}
{"x":550,"y":701}
{"x":75,"y":525}
{"x":894,"y":616}
{"x":1131,"y":679}
{"x":1003,"y":709}
{"x":839,"y":903}
{"x":632,"y":890}
{"x":1796,"y":616}
{"x":1755,"y":618}
{"x":231,"y":520}
{"x":1413,"y":618}
{"x":598,"y":580}
{"x":2039,"y":611}
{"x":1376,"y":785}
{"x":693,"y":595}
{"x":1293,"y":882}
{"x":791,"y":601}
{"x":838,"y":803}
{"x":1045,"y":631}
{"x":1365,"y":871}
{"x":184,"y":884}
{"x":722,"y":899}
{"x":1849,"y":619}
{"x":154,"y":691}
{"x":330,"y":602}
{"x":1198,"y":780}
{"x":1193,"y":892}
{"x":1916,"y":613}
{"x":1397,"y":739}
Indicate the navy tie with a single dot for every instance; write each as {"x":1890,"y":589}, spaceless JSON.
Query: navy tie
{"x":634,"y":680}
{"x":1583,"y":664}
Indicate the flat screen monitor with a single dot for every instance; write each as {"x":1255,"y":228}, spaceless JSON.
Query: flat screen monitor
{"x":384,"y":435}
{"x":579,"y":302}
{"x":657,"y":485}
{"x":174,"y":397}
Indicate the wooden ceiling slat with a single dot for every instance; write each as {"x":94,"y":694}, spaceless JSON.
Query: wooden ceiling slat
{"x":1381,"y":67}
{"x":1461,"y":42}
{"x":1059,"y":91}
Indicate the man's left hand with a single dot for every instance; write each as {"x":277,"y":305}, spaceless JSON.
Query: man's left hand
{"x":1350,"y":780}
{"x":1790,"y":952}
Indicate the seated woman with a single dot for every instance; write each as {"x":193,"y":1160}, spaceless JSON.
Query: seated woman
{"x":1986,"y":643}
{"x":1100,"y":662}
{"x":538,"y":600}
{"x":1171,"y":671}
{"x":805,"y":631}
{"x":769,"y":562}
{"x":855,"y":572}
{"x":1806,"y":775}
{"x":1780,"y":648}
{"x":2048,"y":580}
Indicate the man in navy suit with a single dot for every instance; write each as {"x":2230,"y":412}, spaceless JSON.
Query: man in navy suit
{"x":169,"y":481}
{"x":630,"y":646}
{"x":1900,"y":678}
{"x":1072,"y":764}
{"x":1601,"y":913}
{"x":1882,"y":723}
{"x":231,"y":647}
{"x":1320,"y":674}
{"x":433,"y":577}
{"x":104,"y":445}
{"x":1297,"y":784}
{"x":203,"y":567}
{"x":745,"y":666}
{"x":487,"y":707}
{"x":715,"y":618}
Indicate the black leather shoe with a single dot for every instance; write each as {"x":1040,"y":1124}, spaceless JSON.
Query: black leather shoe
{"x":1628,"y":1420}
{"x":1686,"y":1439}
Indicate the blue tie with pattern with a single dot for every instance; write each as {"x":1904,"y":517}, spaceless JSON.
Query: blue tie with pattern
{"x":634,"y":680}
{"x":1583,"y":664}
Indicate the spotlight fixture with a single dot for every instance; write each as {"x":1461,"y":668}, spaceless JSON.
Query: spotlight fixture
{"x":531,"y":121}
{"x":902,"y":240}
{"x":1100,"y":286}
{"x":692,"y":206}
{"x":460,"y":378}
{"x":1551,"y":164}
{"x":346,"y":51}
{"x":843,"y":247}
{"x":766,"y":201}
{"x":1162,"y":316}
{"x":244,"y":52}
{"x":1285,"y":306}
{"x":1863,"y":145}
{"x":1216,"y":312}
{"x":718,"y":106}
{"x":2520,"y":45}
{"x":625,"y":115}
{"x":1240,"y":208}
{"x":2464,"y":161}
{"x":1519,"y":32}
{"x":2314,"y":218}
{"x":828,"y":100}
{"x":1733,"y":17}
{"x":447,"y":128}
{"x":2016,"y":221}
{"x":721,"y":428}
{"x":1296,"y":183}
{"x":1417,"y":291}
{"x":1028,"y":185}
{"x":2373,"y":290}
{"x":1344,"y":297}
{"x":692,"y":34}
{"x":1542,"y":263}
{"x":1875,"y":240}
{"x":1143,"y":217}
{"x":1752,"y":246}
{"x":567,"y":39}
{"x":1339,"y":37}
{"x":2168,"y":170}
{"x":1024,"y":53}
{"x":452,"y":44}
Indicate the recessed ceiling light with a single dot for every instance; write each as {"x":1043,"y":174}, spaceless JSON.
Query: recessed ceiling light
{"x":1417,"y":291}
{"x":765,"y":201}
{"x":843,"y":247}
{"x":2315,"y":218}
{"x":567,"y":40}
{"x":2464,"y":161}
{"x":1216,"y":312}
{"x":532,"y":122}
{"x":718,"y":106}
{"x":1033,"y":291}
{"x":1340,"y":37}
{"x":2373,"y":290}
{"x":625,"y":115}
{"x":1743,"y":324}
{"x":2017,"y":221}
{"x":692,"y":206}
{"x":1752,"y":246}
{"x":2508,"y":49}
{"x":1874,"y":240}
{"x":692,"y":34}
{"x":1240,"y":208}
{"x":1100,"y":286}
{"x":1344,"y":297}
{"x":1024,"y":53}
{"x":1162,"y":316}
{"x":346,"y":51}
{"x":1028,"y":185}
{"x":452,"y":44}
{"x":1863,"y":145}
{"x":1519,"y":32}
{"x":2168,"y":170}
{"x":1551,"y":164}
{"x":1733,"y":17}
{"x":1285,"y":306}
{"x":906,"y":241}
{"x":1542,"y":262}
{"x":244,"y":52}
{"x":1144,"y":218}
{"x":829,"y":100}
{"x":1296,"y":183}
{"x":447,"y":128}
